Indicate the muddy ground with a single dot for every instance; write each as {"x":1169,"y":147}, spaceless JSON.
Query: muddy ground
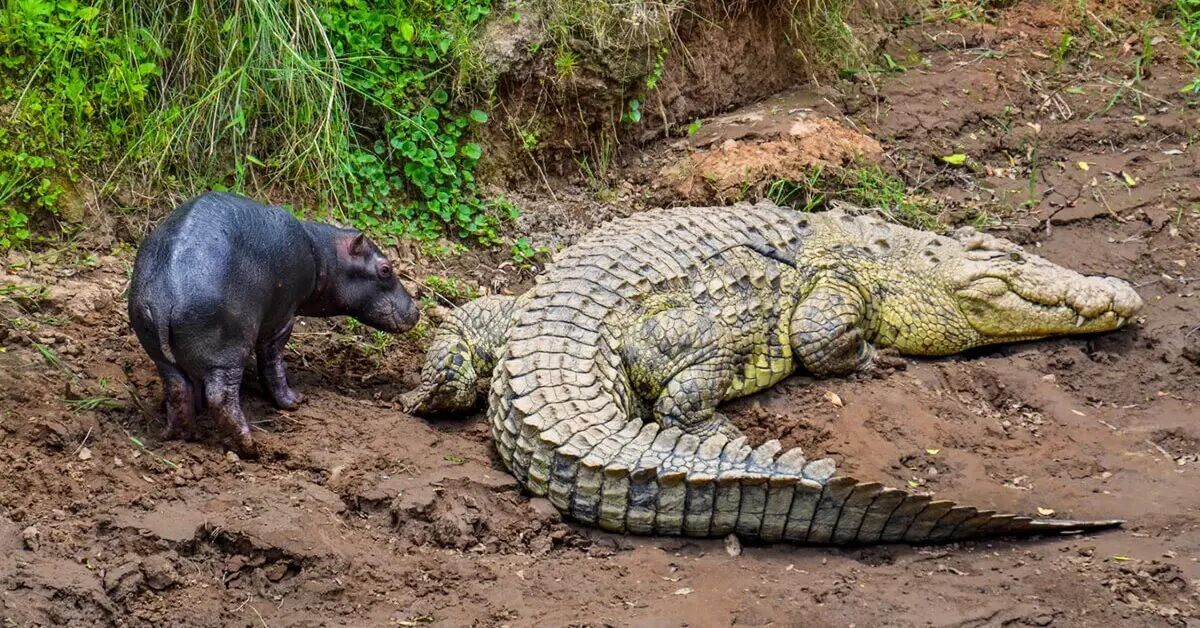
{"x":359,"y":514}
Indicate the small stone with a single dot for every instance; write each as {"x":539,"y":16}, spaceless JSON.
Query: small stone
{"x":1043,"y":620}
{"x":275,"y":571}
{"x":160,"y":574}
{"x":232,"y":457}
{"x":733,"y":546}
{"x":32,"y":537}
{"x":545,"y":510}
{"x":117,"y":462}
{"x":85,"y":453}
{"x":123,"y":580}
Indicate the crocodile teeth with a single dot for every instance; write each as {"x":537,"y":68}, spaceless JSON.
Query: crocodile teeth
{"x":1079,"y":320}
{"x":1120,"y":321}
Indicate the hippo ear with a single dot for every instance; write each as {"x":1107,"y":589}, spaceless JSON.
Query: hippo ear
{"x":358,"y":246}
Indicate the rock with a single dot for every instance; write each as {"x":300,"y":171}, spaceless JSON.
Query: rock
{"x":733,"y":546}
{"x":32,"y":538}
{"x":1191,"y":348}
{"x":545,"y":510}
{"x":121,"y":581}
{"x":275,"y":571}
{"x":159,"y":572}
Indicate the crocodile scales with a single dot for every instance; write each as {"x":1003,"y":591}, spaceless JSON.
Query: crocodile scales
{"x":606,"y":375}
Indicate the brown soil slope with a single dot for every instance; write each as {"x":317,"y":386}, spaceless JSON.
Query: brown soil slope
{"x":359,"y":514}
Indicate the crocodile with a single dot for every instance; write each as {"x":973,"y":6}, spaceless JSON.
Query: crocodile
{"x":607,"y":374}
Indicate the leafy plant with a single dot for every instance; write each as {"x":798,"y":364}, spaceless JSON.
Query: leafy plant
{"x":1189,"y":34}
{"x":451,"y":288}
{"x":525,"y":254}
{"x":349,"y":102}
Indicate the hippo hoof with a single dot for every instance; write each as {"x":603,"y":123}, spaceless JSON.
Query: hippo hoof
{"x":175,"y":432}
{"x":289,"y":399}
{"x":246,"y":447}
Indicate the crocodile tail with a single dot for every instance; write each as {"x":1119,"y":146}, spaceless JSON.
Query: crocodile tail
{"x":662,"y":481}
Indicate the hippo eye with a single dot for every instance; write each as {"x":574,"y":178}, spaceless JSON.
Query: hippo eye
{"x":385,"y":272}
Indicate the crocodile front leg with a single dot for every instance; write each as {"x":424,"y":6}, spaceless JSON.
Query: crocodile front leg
{"x":679,"y":358}
{"x":827,"y":330}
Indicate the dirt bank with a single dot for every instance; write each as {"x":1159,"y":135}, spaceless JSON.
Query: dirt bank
{"x":359,"y":514}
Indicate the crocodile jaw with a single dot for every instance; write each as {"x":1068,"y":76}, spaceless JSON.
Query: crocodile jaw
{"x":949,"y":294}
{"x":1006,"y":294}
{"x":998,"y":312}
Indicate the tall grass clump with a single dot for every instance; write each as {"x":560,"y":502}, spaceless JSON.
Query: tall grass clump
{"x":1189,"y":29}
{"x":344,"y":102}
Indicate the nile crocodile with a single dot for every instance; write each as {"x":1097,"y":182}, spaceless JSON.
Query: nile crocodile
{"x":607,"y":374}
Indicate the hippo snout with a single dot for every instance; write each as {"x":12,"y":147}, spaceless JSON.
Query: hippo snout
{"x":394,"y":314}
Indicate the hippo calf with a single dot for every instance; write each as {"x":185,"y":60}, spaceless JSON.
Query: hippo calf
{"x":223,"y":276}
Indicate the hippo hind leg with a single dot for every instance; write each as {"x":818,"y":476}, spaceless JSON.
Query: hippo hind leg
{"x":182,"y":401}
{"x":222,"y":391}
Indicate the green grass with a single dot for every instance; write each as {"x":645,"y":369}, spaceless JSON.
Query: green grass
{"x":1188,"y":20}
{"x":822,"y":34}
{"x":452,"y":289}
{"x":348,"y":104}
{"x":868,"y":185}
{"x":98,"y":402}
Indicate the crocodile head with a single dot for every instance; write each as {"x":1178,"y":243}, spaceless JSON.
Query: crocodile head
{"x":977,"y":290}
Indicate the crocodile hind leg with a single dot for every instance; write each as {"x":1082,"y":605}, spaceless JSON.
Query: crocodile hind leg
{"x":679,"y":360}
{"x":827,"y":334}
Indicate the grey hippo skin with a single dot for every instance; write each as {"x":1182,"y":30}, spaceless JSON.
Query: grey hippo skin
{"x":608,"y":373}
{"x":224,"y":276}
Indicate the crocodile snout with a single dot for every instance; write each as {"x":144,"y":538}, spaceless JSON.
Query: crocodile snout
{"x":1094,"y":297}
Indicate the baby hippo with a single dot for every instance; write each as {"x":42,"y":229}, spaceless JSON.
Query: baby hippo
{"x":223,"y":276}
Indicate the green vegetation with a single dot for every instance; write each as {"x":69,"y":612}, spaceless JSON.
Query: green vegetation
{"x":525,"y":255}
{"x":452,"y":289}
{"x":867,"y":185}
{"x":349,"y":104}
{"x":1065,"y":40}
{"x":1189,"y":29}
{"x":367,"y":111}
{"x":822,"y":35}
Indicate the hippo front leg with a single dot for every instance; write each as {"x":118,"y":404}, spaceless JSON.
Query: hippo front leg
{"x":272,"y":372}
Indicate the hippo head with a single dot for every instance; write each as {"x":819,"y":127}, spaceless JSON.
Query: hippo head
{"x":359,"y":281}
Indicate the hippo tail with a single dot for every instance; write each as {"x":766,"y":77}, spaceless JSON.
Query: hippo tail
{"x":162,"y":329}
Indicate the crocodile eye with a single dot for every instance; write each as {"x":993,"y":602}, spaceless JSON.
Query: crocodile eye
{"x":1016,"y":257}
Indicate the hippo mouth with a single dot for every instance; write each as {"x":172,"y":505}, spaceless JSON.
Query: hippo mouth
{"x":393,"y":318}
